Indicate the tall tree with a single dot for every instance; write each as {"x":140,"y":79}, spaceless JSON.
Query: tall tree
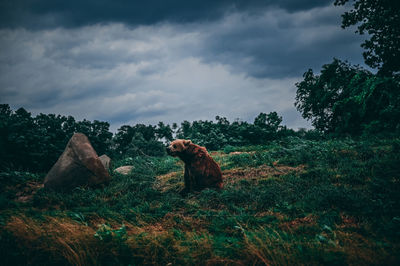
{"x":381,"y":20}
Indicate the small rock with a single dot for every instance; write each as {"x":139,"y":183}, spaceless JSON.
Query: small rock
{"x":106,"y":161}
{"x":124,"y":170}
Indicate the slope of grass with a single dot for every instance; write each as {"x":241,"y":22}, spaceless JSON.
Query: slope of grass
{"x":290,"y":202}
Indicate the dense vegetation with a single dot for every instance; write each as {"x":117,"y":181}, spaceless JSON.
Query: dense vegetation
{"x":293,"y":201}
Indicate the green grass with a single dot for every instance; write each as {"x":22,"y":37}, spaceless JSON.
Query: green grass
{"x":294,"y":201}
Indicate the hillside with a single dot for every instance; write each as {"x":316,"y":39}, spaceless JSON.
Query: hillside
{"x":293,"y":201}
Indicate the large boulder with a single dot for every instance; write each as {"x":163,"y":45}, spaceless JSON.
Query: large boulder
{"x":78,"y":165}
{"x":106,"y":161}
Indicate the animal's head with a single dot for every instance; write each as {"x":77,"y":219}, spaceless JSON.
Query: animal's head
{"x":178,"y":146}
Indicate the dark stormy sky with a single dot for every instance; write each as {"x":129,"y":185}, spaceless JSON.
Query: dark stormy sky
{"x":129,"y":62}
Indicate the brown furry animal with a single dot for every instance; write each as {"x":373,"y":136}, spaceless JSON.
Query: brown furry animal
{"x":201,"y":171}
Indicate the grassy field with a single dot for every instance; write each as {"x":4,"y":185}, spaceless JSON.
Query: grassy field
{"x":293,"y":202}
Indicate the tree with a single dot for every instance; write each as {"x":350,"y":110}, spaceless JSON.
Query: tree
{"x":346,"y":99}
{"x":185,"y":130}
{"x":140,"y":139}
{"x":271,"y":122}
{"x":317,"y":95}
{"x":381,"y":20}
{"x":265,"y":127}
{"x":100,"y":136}
{"x":5,"y":120}
{"x":23,"y":141}
{"x":122,"y":139}
{"x":164,"y":132}
{"x":52,"y":138}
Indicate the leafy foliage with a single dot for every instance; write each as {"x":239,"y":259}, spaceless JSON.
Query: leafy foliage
{"x":380,"y":19}
{"x":346,"y":99}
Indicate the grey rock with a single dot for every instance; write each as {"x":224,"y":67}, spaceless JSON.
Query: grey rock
{"x":124,"y":170}
{"x":106,"y":161}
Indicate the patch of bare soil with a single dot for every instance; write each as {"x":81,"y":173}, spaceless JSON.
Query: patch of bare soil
{"x":233,"y":176}
{"x":223,"y":154}
{"x":174,"y":180}
{"x":26,"y":191}
{"x":217,"y":153}
{"x":163,"y":182}
{"x":309,"y":220}
{"x":240,"y":152}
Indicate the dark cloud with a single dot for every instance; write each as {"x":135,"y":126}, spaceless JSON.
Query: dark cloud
{"x":74,"y":13}
{"x":238,"y":64}
{"x":279,"y":44}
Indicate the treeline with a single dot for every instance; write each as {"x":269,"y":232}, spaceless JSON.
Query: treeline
{"x":35,"y":143}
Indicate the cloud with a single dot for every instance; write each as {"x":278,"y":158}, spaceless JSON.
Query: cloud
{"x":39,"y":14}
{"x":278,"y":44}
{"x":237,"y":66}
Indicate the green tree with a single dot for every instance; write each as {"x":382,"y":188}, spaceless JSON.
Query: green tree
{"x":185,"y":130}
{"x":138,"y":140}
{"x":270,"y":122}
{"x":98,"y":134}
{"x":5,"y":120}
{"x":52,"y":138}
{"x":317,"y":95}
{"x":24,"y":150}
{"x":122,"y":139}
{"x":346,"y":99}
{"x":265,"y":127}
{"x":380,"y":19}
{"x":164,"y":132}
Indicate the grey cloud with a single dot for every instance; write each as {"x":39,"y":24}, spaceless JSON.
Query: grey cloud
{"x":237,"y":66}
{"x":280,"y":44}
{"x":37,"y":14}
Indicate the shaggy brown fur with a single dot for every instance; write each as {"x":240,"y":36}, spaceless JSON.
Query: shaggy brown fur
{"x":201,"y":171}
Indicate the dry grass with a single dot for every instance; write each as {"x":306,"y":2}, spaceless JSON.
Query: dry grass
{"x":179,"y":220}
{"x":233,"y":176}
{"x":25,"y":192}
{"x":362,"y":251}
{"x":163,"y":182}
{"x":293,"y":225}
{"x":62,"y":239}
{"x":268,"y":247}
{"x":174,"y":180}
